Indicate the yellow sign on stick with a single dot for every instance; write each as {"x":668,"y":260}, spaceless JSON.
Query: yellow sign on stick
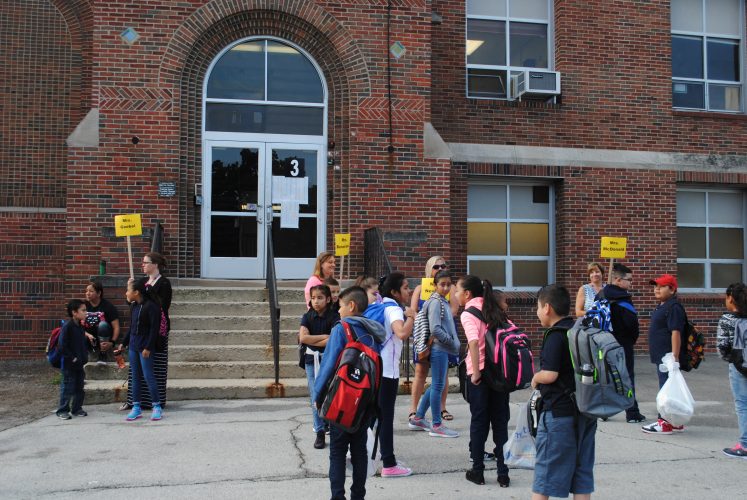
{"x":342,"y":244}
{"x":128,"y":225}
{"x":613,"y":248}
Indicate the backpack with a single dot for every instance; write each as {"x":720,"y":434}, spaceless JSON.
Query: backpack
{"x":509,"y":364}
{"x":600,"y":315}
{"x":376,"y":311}
{"x":352,"y":396}
{"x":54,"y":353}
{"x":611,"y":391}
{"x":421,"y":331}
{"x":692,"y":352}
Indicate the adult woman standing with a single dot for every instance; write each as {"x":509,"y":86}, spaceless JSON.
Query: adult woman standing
{"x":159,"y":287}
{"x":587,"y":292}
{"x":434,"y":265}
{"x":323,"y":269}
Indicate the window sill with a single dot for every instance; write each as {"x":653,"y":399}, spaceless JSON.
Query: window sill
{"x":483,"y":102}
{"x":710,"y":114}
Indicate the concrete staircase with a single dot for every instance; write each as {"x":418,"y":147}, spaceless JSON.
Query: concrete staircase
{"x":220,"y":345}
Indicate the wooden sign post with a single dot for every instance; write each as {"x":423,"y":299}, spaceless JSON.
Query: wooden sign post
{"x":128,"y":225}
{"x":614,"y":248}
{"x":342,"y":248}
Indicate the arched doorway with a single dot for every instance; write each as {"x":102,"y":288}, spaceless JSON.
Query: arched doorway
{"x":264,"y":137}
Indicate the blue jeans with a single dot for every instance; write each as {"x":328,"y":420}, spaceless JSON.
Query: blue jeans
{"x":339,"y":441}
{"x":739,"y":389}
{"x":489,"y":408}
{"x":432,"y":397}
{"x":139,"y":364}
{"x":71,"y":390}
{"x":319,"y":424}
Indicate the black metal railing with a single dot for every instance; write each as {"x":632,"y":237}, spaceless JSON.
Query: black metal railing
{"x":271,"y":283}
{"x":156,"y":241}
{"x":375,"y":260}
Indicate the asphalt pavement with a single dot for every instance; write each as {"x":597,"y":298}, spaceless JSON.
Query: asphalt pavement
{"x":263,"y":449}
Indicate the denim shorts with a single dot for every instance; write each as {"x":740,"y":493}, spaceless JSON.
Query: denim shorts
{"x":564,"y":466}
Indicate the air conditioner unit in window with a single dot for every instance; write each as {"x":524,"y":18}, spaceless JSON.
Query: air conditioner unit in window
{"x":535,"y":83}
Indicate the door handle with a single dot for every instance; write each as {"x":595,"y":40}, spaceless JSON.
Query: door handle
{"x":270,"y":215}
{"x":260,"y":214}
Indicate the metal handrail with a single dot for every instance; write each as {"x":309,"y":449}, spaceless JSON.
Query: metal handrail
{"x":375,"y":260}
{"x":156,"y":243}
{"x":271,"y":283}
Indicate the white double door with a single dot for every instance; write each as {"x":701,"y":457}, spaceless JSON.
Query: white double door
{"x":240,"y":205}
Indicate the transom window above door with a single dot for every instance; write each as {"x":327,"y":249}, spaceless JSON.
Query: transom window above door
{"x":264,"y":86}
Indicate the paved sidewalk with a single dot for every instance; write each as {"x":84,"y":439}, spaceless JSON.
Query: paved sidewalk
{"x":263,"y":449}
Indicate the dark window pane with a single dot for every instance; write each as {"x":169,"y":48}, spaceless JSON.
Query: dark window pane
{"x":486,"y":83}
{"x":723,"y":59}
{"x":492,"y":270}
{"x":723,"y":275}
{"x":688,"y":95}
{"x":291,"y":76}
{"x":240,"y":73}
{"x":486,"y":42}
{"x":256,"y":118}
{"x":691,"y":275}
{"x":687,"y":56}
{"x":529,"y":273}
{"x":234,"y":180}
{"x":233,"y":236}
{"x":691,"y":242}
{"x":726,"y":243}
{"x":286,"y":162}
{"x":299,"y":242}
{"x":528,"y":45}
{"x":724,"y":97}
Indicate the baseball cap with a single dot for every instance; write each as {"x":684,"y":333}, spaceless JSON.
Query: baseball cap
{"x":665,"y":280}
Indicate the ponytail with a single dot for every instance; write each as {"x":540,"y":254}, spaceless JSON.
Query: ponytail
{"x":491,"y":310}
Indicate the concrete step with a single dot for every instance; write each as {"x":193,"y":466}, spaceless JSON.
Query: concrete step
{"x":230,"y":353}
{"x":200,"y":308}
{"x":109,"y":391}
{"x":203,"y":369}
{"x":230,"y":337}
{"x":240,"y":323}
{"x":234,"y":294}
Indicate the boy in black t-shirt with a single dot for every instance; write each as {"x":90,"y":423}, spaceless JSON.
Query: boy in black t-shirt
{"x":565,"y":438}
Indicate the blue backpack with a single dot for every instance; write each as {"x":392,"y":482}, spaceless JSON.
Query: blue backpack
{"x":599,"y":315}
{"x":54,"y":353}
{"x":376,"y":311}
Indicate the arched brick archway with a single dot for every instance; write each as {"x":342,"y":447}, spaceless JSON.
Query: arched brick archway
{"x":199,"y":40}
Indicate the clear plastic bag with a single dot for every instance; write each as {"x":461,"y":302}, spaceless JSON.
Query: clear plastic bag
{"x":519,"y":452}
{"x":674,"y":402}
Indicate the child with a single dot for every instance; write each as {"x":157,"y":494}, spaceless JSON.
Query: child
{"x":731,"y":339}
{"x":334,"y":287}
{"x":488,"y":408}
{"x":353,"y":302}
{"x":565,"y":438}
{"x":74,"y":348}
{"x":141,"y":339}
{"x":371,"y":286}
{"x":445,"y":342}
{"x":316,"y":325}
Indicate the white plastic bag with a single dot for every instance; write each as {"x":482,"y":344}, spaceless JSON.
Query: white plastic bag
{"x":373,"y":465}
{"x":519,"y":452}
{"x":674,"y":402}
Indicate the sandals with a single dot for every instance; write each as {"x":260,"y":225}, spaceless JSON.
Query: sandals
{"x":445,"y":415}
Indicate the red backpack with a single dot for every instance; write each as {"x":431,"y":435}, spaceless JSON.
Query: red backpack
{"x":352,"y":395}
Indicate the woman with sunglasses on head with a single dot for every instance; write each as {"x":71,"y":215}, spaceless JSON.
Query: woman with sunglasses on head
{"x":159,"y":287}
{"x":432,"y":267}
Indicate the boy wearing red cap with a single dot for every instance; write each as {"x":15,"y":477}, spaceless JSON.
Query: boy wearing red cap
{"x":664,"y":335}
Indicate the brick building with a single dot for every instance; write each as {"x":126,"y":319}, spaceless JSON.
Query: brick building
{"x":408,"y":115}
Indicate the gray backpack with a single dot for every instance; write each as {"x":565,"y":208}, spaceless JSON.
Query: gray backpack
{"x":607,"y":390}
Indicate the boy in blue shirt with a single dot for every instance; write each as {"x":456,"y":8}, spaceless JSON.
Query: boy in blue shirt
{"x":353,"y":301}
{"x":565,"y":438}
{"x":74,"y":347}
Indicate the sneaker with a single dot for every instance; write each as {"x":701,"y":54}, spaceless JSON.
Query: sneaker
{"x":125,"y":406}
{"x":396,"y":471}
{"x":64,"y":416}
{"x":157,"y":413}
{"x":319,"y":443}
{"x":486,"y":457}
{"x":678,"y":428}
{"x":475,"y":476}
{"x":636,"y":418}
{"x":418,"y":424}
{"x":738,"y":451}
{"x":443,"y":432}
{"x":661,"y":426}
{"x":134,"y":414}
{"x":504,"y":481}
{"x":80,"y":413}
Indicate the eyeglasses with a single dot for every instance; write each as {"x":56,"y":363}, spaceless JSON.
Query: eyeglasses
{"x":627,"y":279}
{"x":440,"y":266}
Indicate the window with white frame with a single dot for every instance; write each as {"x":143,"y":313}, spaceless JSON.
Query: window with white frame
{"x":707,"y":54}
{"x":504,"y":36}
{"x":710,"y":238}
{"x":510,"y":234}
